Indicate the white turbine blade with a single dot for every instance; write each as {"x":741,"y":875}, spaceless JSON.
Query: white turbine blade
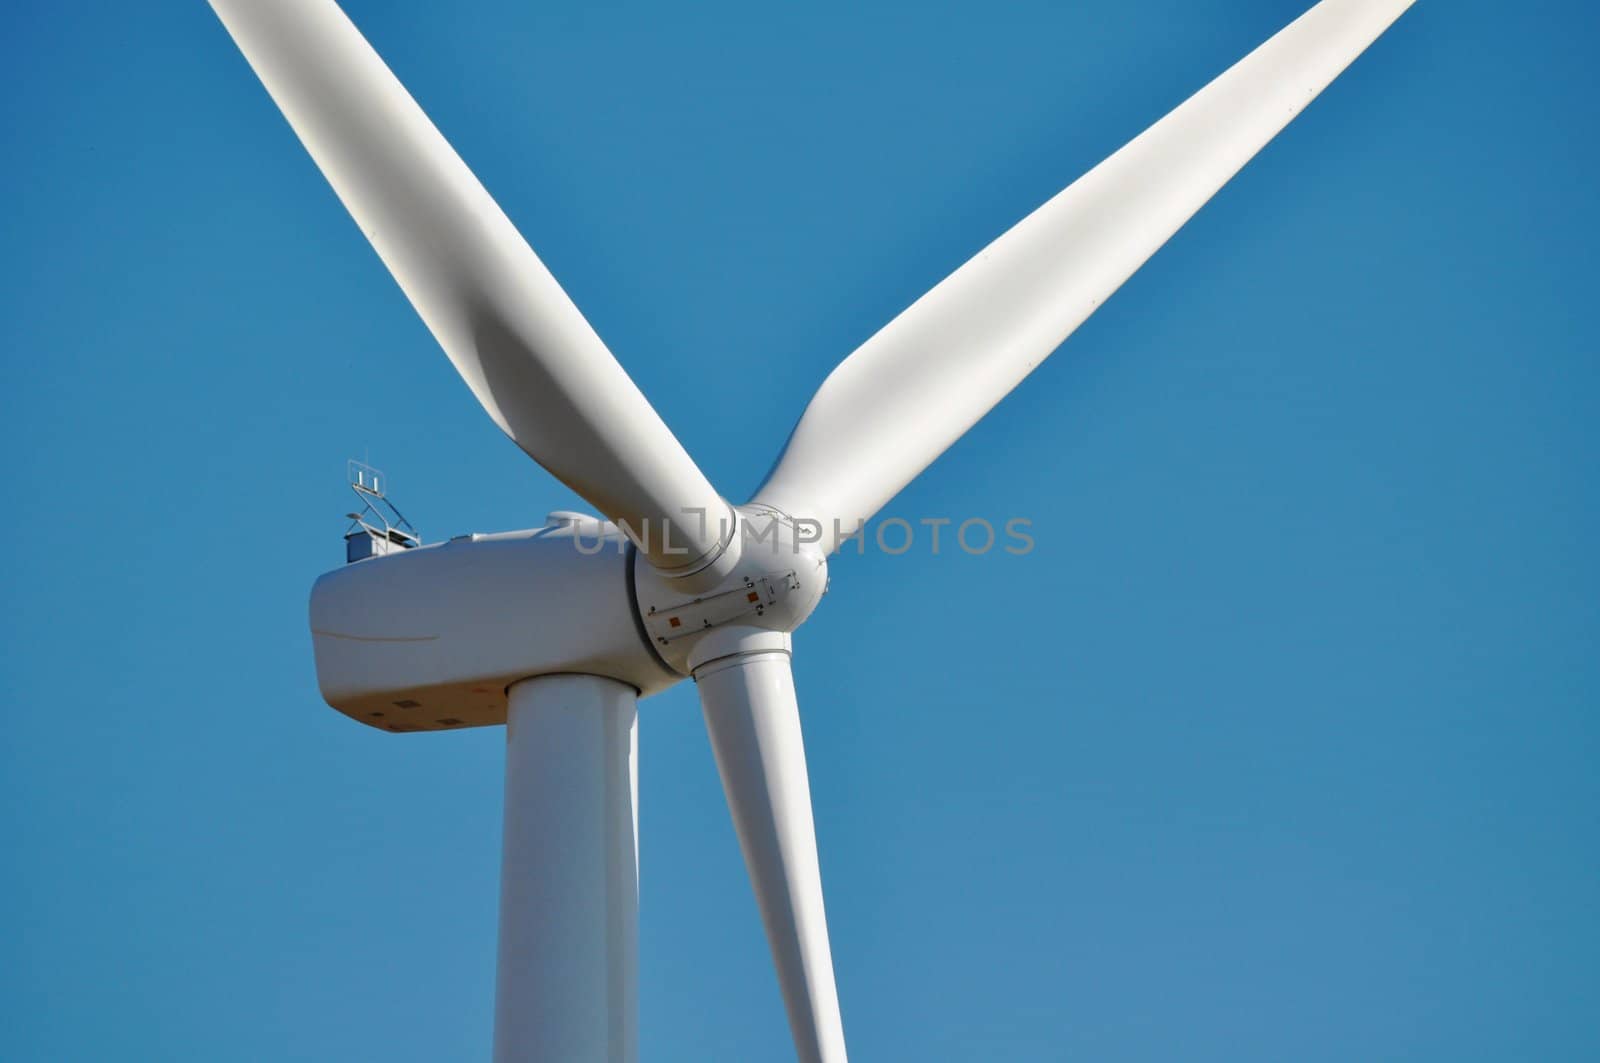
{"x":910,"y":391}
{"x":516,"y":339}
{"x":754,"y":724}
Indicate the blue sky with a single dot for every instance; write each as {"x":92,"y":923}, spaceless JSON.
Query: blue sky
{"x":1280,"y":745}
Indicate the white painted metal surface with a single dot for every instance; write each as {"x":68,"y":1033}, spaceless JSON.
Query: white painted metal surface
{"x":912,"y":390}
{"x":567,"y":981}
{"x":777,"y":582}
{"x":753,"y":719}
{"x":429,"y":639}
{"x":517,"y":340}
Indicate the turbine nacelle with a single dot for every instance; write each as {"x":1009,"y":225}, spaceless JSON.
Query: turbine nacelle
{"x":431,"y":638}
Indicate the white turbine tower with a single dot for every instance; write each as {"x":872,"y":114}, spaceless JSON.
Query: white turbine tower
{"x":556,"y":632}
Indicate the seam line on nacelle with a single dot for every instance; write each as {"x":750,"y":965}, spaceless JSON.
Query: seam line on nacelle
{"x":374,"y":638}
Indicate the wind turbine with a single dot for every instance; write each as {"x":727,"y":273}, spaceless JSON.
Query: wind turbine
{"x":558,"y":631}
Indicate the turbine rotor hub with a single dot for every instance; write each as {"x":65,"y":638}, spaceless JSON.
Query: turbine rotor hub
{"x":780,"y":576}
